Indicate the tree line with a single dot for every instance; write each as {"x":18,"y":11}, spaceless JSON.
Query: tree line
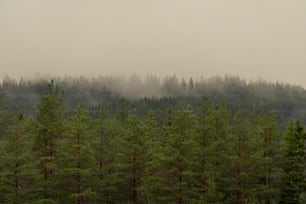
{"x":213,"y":155}
{"x":157,"y":93}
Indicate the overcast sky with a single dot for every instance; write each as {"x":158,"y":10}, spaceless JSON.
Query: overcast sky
{"x":249,"y":38}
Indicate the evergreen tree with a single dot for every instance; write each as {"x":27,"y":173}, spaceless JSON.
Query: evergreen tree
{"x":122,"y":112}
{"x":215,"y":131}
{"x":17,"y":178}
{"x":5,"y":117}
{"x":150,"y":181}
{"x":243,"y":161}
{"x":204,"y":141}
{"x":5,"y":122}
{"x":183,"y":87}
{"x":177,"y":159}
{"x":105,"y":132}
{"x":108,"y":146}
{"x":269,"y":169}
{"x":131,"y":158}
{"x":50,"y":130}
{"x":294,"y":164}
{"x":191,"y":87}
{"x":76,"y":160}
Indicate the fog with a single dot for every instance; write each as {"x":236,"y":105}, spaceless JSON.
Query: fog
{"x":250,"y":38}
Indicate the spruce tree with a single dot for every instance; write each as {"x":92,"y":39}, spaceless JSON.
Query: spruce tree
{"x":204,"y":141}
{"x":18,"y":174}
{"x":131,"y":157}
{"x":213,"y":139}
{"x":76,"y":160}
{"x":243,"y":160}
{"x":268,"y":169}
{"x":177,"y":159}
{"x":105,"y":132}
{"x":294,"y":164}
{"x":50,"y":130}
{"x":6,"y":117}
{"x":150,"y":180}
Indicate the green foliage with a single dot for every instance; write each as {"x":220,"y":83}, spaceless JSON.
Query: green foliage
{"x":269,"y":167}
{"x":214,"y":146}
{"x":76,"y":160}
{"x":49,"y":130}
{"x":294,"y":163}
{"x":221,"y":155}
{"x":131,"y":158}
{"x":18,"y":176}
{"x":175,"y":159}
{"x":243,"y":160}
{"x":5,"y":117}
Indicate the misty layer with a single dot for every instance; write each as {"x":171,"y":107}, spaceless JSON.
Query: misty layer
{"x":159,"y":93}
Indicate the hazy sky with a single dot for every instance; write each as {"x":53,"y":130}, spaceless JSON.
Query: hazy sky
{"x":250,"y":38}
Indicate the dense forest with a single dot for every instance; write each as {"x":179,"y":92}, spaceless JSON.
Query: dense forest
{"x":78,"y":141}
{"x":287,"y":101}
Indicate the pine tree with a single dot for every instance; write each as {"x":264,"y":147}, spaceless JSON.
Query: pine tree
{"x":294,"y":163}
{"x":191,"y":87}
{"x":101,"y":141}
{"x":122,"y":112}
{"x":50,"y":130}
{"x":243,"y":160}
{"x":76,"y":160}
{"x":150,"y":180}
{"x":154,"y":173}
{"x":5,"y":117}
{"x":17,"y":178}
{"x":108,"y":145}
{"x":213,"y":139}
{"x":131,"y":158}
{"x":177,"y":159}
{"x":269,"y":169}
{"x":105,"y":132}
{"x":183,"y":87}
{"x":204,"y":140}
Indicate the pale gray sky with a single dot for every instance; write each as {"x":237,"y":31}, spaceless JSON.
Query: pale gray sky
{"x":249,"y":38}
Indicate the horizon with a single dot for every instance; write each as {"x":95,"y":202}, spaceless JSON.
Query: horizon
{"x":252,"y":39}
{"x":142,"y":79}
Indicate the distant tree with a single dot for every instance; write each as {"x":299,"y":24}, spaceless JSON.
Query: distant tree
{"x":122,"y":112}
{"x":171,"y":86}
{"x":191,"y":87}
{"x":183,"y":87}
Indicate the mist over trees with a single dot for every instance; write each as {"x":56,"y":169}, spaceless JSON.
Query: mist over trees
{"x":66,"y":154}
{"x":288,"y":101}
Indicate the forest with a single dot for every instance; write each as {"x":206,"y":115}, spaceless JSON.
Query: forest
{"x":286,"y":100}
{"x":220,"y":140}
